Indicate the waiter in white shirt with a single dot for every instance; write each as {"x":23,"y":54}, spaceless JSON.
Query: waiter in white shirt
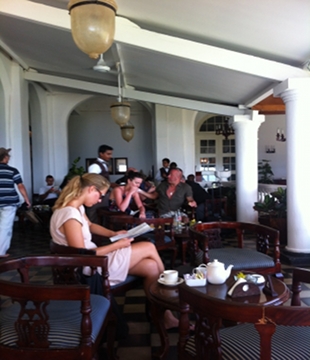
{"x":101,"y":166}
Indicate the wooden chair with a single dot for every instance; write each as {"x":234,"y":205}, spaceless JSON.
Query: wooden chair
{"x":105,"y":214}
{"x":265,"y":333}
{"x":208,"y":237}
{"x":162,"y":235}
{"x":52,"y":321}
{"x":215,"y":208}
{"x":131,"y":281}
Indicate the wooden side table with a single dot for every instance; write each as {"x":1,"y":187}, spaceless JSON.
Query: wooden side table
{"x":167,"y":297}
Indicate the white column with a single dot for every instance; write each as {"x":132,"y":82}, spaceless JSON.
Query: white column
{"x":175,"y":137}
{"x":246,"y":134}
{"x":296,"y":94}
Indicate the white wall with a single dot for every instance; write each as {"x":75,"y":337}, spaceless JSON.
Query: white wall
{"x":91,"y":125}
{"x":267,"y":136}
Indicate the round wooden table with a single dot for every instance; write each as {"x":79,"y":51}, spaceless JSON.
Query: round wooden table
{"x":164,"y":297}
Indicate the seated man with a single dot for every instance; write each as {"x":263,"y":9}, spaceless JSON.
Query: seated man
{"x":199,"y":195}
{"x":48,"y":194}
{"x":171,"y":194}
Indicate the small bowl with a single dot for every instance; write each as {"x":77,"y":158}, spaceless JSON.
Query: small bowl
{"x":189,"y":281}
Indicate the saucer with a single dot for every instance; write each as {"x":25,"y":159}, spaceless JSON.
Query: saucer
{"x":180,"y":280}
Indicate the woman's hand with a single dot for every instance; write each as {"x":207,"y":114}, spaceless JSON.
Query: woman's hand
{"x":120,"y":232}
{"x":142,"y":215}
{"x":133,"y":190}
{"x":125,"y":242}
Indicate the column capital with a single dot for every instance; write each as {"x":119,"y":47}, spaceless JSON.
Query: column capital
{"x":251,"y":117}
{"x":293,"y":87}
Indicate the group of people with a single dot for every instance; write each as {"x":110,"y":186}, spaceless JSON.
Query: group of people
{"x":72,"y":224}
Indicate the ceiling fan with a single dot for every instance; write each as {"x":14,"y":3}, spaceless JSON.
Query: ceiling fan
{"x":103,"y":67}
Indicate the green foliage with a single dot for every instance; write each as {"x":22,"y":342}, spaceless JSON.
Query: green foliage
{"x":265,"y":172}
{"x":75,"y":170}
{"x":274,"y":204}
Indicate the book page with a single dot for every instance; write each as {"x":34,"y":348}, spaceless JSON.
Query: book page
{"x":134,"y":232}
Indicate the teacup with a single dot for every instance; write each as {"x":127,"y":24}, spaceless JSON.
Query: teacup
{"x":201,"y":269}
{"x":169,"y":276}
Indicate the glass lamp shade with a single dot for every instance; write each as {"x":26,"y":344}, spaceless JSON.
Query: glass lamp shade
{"x":93,"y":25}
{"x":127,"y":131}
{"x":120,"y":112}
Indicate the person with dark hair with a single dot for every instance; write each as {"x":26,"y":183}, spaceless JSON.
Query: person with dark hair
{"x":123,"y":180}
{"x":9,"y":199}
{"x":199,"y":195}
{"x":173,"y":165}
{"x":101,"y":166}
{"x":124,"y":197}
{"x":163,"y":171}
{"x":71,"y":227}
{"x":48,"y":194}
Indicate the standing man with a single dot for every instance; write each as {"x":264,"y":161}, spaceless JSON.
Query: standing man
{"x":9,"y":199}
{"x":101,"y":166}
{"x":162,"y":173}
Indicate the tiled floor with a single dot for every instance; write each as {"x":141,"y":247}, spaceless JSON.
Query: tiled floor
{"x":143,"y":339}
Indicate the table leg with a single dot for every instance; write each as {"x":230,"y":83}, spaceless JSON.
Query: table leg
{"x":158,"y":313}
{"x":183,"y":329}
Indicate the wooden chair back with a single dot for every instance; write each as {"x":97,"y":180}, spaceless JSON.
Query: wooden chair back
{"x":131,"y":281}
{"x":216,"y":207}
{"x":209,"y":235}
{"x":29,"y":324}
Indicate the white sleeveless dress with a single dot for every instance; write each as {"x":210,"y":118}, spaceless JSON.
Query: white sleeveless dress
{"x":118,"y":260}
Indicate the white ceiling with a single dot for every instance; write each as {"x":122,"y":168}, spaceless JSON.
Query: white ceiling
{"x":214,"y":56}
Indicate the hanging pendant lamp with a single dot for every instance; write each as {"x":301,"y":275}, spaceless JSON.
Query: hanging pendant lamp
{"x":120,"y":111}
{"x":128,"y":131}
{"x":93,"y":25}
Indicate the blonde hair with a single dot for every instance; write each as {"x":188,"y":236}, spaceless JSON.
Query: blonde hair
{"x":76,"y":185}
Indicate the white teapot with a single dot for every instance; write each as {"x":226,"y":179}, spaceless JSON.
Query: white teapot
{"x":216,"y":273}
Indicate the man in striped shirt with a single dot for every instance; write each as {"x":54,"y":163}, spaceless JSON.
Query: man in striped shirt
{"x":9,"y":199}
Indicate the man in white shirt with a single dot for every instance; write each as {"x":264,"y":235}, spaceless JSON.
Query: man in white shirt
{"x":48,"y":194}
{"x":101,"y":166}
{"x":162,"y":173}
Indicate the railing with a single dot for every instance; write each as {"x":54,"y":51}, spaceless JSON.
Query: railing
{"x":266,"y":189}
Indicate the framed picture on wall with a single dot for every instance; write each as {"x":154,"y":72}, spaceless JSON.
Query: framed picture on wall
{"x":121,"y":165}
{"x":90,"y":161}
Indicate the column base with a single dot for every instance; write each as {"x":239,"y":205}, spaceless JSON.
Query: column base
{"x":295,"y":259}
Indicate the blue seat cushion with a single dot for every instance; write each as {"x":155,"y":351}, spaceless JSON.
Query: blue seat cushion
{"x":242,"y":343}
{"x":64,"y":320}
{"x":128,"y":280}
{"x":240,"y":258}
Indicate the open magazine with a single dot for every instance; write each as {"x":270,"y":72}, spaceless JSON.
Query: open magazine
{"x":134,"y":232}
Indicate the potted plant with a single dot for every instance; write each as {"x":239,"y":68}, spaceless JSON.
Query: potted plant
{"x":272,"y":212}
{"x":73,"y":171}
{"x":265,"y":172}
